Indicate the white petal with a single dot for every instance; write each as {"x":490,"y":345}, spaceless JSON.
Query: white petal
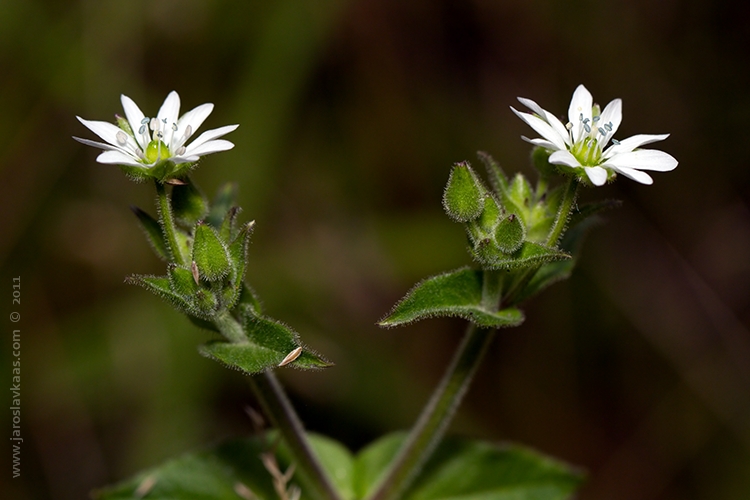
{"x":105,"y":130}
{"x":118,"y":158}
{"x":636,"y":175}
{"x":96,"y":144}
{"x":629,"y":144}
{"x":612,"y":115}
{"x":581,"y":104}
{"x":643,"y":159}
{"x":168,"y":114}
{"x":208,"y":148}
{"x":193,"y":119}
{"x":564,"y":157}
{"x":210,"y":135}
{"x":540,"y":142}
{"x":597,"y":175}
{"x":542,"y":128}
{"x":545,"y":115}
{"x":135,"y":116}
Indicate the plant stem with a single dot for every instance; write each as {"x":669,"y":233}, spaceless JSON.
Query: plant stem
{"x":433,"y":422}
{"x":563,"y":213}
{"x":167,"y":224}
{"x":280,"y":412}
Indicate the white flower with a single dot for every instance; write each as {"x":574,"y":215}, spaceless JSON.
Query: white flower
{"x":582,"y":143}
{"x":144,"y":142}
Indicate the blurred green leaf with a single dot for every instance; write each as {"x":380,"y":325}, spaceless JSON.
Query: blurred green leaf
{"x":188,"y":204}
{"x":456,"y":293}
{"x":471,"y":469}
{"x":154,"y":233}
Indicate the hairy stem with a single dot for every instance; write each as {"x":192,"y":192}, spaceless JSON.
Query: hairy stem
{"x":433,"y":422}
{"x":167,"y":224}
{"x":563,"y":213}
{"x":280,"y":412}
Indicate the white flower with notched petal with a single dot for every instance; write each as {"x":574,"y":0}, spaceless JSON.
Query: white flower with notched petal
{"x":581,"y":145}
{"x":156,"y":147}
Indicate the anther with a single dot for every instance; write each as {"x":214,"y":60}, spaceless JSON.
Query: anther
{"x":122,"y":138}
{"x":142,"y":130}
{"x":174,"y":127}
{"x":602,"y":131}
{"x":154,"y":124}
{"x":596,"y":118}
{"x":587,"y":127}
{"x":615,"y":142}
{"x":180,"y":151}
{"x":608,"y":126}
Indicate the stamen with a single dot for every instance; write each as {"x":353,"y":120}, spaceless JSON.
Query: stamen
{"x":596,"y":118}
{"x":145,"y":120}
{"x":142,"y":130}
{"x":608,"y":126}
{"x":568,"y":126}
{"x":122,"y":138}
{"x":615,"y":142}
{"x":580,"y":117}
{"x":174,"y":127}
{"x":180,"y":151}
{"x":587,"y":127}
{"x":188,"y":132}
{"x":154,"y":124}
{"x":602,"y":131}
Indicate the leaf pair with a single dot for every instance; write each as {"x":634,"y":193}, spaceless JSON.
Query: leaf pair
{"x":458,"y":469}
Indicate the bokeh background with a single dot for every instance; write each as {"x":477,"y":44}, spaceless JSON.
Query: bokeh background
{"x":351,"y":113}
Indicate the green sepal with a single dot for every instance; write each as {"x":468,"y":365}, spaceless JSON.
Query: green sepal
{"x":154,"y":233}
{"x":269,"y":343}
{"x":518,"y":196}
{"x":228,"y":230}
{"x":456,"y":293}
{"x":224,"y":200}
{"x":162,"y":287}
{"x":484,"y":227}
{"x":528,"y":255}
{"x":188,"y":204}
{"x":210,"y":254}
{"x":238,"y":258}
{"x":182,"y":281}
{"x":498,"y":179}
{"x":463,"y":198}
{"x":540,"y":160}
{"x":510,"y":234}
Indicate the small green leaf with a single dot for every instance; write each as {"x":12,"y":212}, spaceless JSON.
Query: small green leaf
{"x":471,"y":469}
{"x":162,"y":287}
{"x":154,"y":233}
{"x":270,"y":344}
{"x":529,"y":255}
{"x":510,"y":234}
{"x":210,"y":254}
{"x":463,"y":199}
{"x":188,"y":204}
{"x":457,"y":293}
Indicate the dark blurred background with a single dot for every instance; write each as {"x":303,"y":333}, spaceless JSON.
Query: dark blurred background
{"x":351,"y":114}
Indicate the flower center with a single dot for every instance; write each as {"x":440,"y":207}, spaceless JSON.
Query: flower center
{"x":156,"y":151}
{"x":587,"y":151}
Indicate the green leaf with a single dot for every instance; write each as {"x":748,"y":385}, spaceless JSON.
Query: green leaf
{"x":510,"y":234}
{"x":463,"y":198}
{"x":458,"y":469}
{"x":210,"y":254}
{"x":154,"y":233}
{"x":188,"y":204}
{"x":529,"y":255}
{"x":471,"y":469}
{"x":270,"y":344}
{"x":161,"y":286}
{"x":457,"y":293}
{"x":218,"y":473}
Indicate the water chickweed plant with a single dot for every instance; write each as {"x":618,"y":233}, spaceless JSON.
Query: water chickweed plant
{"x":522,"y":237}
